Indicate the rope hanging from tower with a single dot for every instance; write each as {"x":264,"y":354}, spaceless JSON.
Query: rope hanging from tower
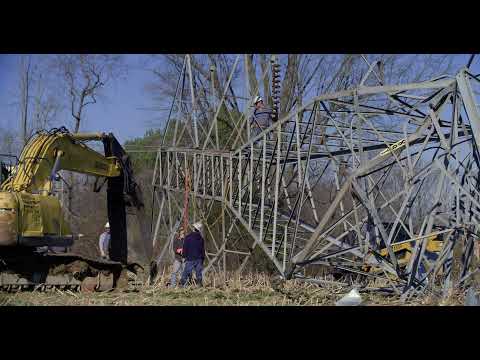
{"x":185,"y":200}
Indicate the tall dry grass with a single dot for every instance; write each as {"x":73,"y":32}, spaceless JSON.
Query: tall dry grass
{"x":231,"y":289}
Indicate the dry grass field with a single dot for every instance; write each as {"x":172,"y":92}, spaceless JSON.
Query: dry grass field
{"x":248,"y":290}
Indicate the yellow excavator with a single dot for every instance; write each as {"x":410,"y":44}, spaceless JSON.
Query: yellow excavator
{"x":32,"y":221}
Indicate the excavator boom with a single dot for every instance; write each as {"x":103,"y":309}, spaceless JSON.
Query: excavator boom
{"x":48,"y":153}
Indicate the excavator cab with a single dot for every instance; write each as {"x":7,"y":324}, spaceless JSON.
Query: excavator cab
{"x":7,"y":167}
{"x":4,"y":173}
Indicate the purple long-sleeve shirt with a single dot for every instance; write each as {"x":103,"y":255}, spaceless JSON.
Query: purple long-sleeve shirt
{"x":193,"y":247}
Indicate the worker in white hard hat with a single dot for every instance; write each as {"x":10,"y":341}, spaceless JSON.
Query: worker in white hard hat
{"x":262,"y":117}
{"x":104,"y":242}
{"x":194,"y":254}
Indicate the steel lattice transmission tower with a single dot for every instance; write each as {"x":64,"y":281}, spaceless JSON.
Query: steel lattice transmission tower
{"x":400,"y":158}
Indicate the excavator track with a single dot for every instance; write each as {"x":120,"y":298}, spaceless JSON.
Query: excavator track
{"x":34,"y":271}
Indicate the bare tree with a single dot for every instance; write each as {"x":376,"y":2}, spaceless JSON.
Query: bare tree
{"x":25,"y":74}
{"x":46,"y":104}
{"x":9,"y":142}
{"x":38,"y":102}
{"x":84,"y":77}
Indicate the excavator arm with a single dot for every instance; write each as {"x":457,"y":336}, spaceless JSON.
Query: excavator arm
{"x":48,"y":153}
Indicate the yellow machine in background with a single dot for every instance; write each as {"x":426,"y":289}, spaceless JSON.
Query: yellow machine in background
{"x":403,"y":251}
{"x":434,"y":245}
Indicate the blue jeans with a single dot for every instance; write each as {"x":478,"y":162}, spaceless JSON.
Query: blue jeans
{"x":177,"y":269}
{"x":191,"y":265}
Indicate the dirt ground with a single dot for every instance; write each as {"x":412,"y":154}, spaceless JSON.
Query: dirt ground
{"x":251,"y":290}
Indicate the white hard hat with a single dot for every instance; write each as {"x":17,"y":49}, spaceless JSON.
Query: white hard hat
{"x":107,"y":225}
{"x":257,"y":99}
{"x":198,"y":226}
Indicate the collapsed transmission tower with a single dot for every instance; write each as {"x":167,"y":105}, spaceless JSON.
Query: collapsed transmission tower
{"x":401,"y":159}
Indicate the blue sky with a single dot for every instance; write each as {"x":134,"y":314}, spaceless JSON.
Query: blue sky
{"x":122,"y":112}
